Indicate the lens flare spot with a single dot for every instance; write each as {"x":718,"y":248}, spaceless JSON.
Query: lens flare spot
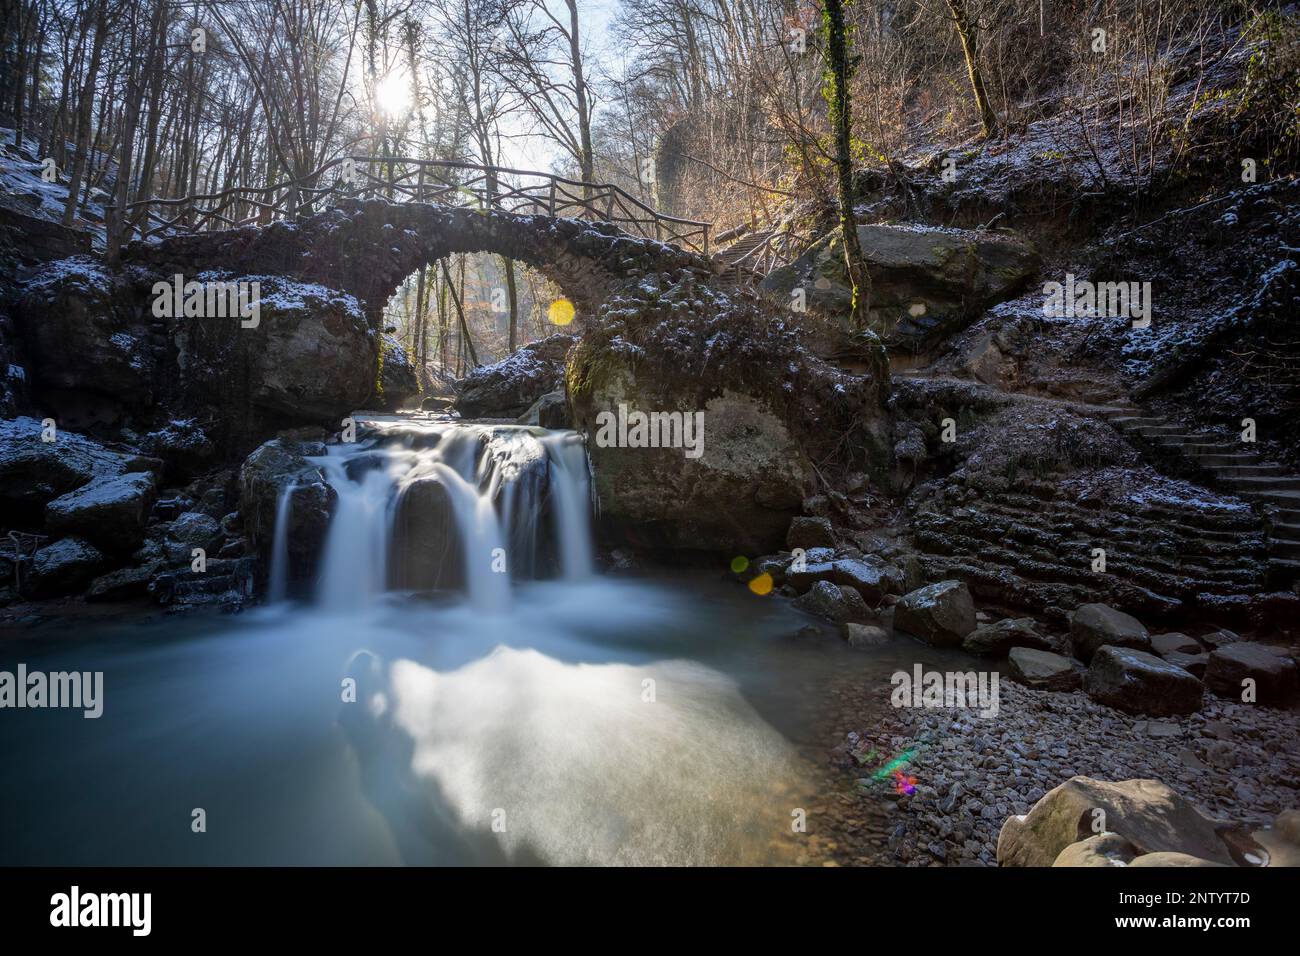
{"x":560,"y":312}
{"x":904,"y":784}
{"x":739,"y":564}
{"x":762,"y":584}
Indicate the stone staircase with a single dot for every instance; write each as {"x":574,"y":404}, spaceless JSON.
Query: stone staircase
{"x":1230,"y":466}
{"x":1033,"y":548}
{"x":732,"y":274}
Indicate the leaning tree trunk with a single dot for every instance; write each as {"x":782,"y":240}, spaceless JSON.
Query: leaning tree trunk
{"x":968,"y":35}
{"x":839,"y":72}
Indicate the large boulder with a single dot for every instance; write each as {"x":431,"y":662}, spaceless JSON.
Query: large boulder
{"x":264,"y":479}
{"x":123,"y":584}
{"x":1194,"y":664}
{"x":34,"y":472}
{"x":871,"y":576}
{"x":1150,"y":816}
{"x":398,"y":383}
{"x":508,"y":388}
{"x":549,"y":411}
{"x":64,"y":567}
{"x":426,"y":543}
{"x":194,"y":529}
{"x":1043,"y":670}
{"x":1174,"y":642}
{"x":310,"y":359}
{"x":183,"y":446}
{"x":926,"y":281}
{"x":810,"y":532}
{"x":831,"y":601}
{"x":82,"y":336}
{"x":111,"y":512}
{"x":1094,"y":625}
{"x":941,"y":614}
{"x":997,"y":639}
{"x":1141,"y":683}
{"x":1232,"y":664}
{"x":762,"y":409}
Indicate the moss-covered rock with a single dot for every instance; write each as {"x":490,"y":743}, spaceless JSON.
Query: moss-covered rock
{"x":767,"y":416}
{"x":927,"y":282}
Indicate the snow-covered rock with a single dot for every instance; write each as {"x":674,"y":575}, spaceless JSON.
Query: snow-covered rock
{"x":941,"y":614}
{"x":83,"y":335}
{"x":111,"y":511}
{"x":926,"y":281}
{"x":34,"y":471}
{"x":64,"y":567}
{"x":1094,"y":625}
{"x":507,"y":389}
{"x":1141,"y":683}
{"x":1273,"y":675}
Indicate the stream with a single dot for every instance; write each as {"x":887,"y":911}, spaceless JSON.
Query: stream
{"x":537,"y":712}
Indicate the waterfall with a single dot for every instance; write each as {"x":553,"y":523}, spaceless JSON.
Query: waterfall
{"x":572,"y":495}
{"x":278,"y":589}
{"x":436,"y":505}
{"x":354,"y":568}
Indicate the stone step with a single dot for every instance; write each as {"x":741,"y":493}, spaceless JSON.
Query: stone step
{"x":1136,"y":421}
{"x":1185,"y":520}
{"x":1228,"y":472}
{"x":1284,"y":568}
{"x":1229,"y":460}
{"x":1200,"y":449}
{"x":1287,"y":529}
{"x":1284,"y":547}
{"x":1265,"y":483}
{"x":1287,"y":499}
{"x":1179,"y":438}
{"x":1118,"y":411}
{"x":1076,"y":564}
{"x":1089,"y":523}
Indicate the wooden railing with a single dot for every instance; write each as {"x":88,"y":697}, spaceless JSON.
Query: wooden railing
{"x":777,"y":247}
{"x":401,"y":179}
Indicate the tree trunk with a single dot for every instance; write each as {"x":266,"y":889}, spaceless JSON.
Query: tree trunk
{"x":969,"y":37}
{"x":586,"y":160}
{"x":839,"y":72}
{"x":460,"y":314}
{"x":512,"y":295}
{"x":85,"y":108}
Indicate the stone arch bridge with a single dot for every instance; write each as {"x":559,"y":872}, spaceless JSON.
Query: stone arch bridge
{"x":368,"y":247}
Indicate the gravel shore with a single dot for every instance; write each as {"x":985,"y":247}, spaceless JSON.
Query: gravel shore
{"x":967,"y":774}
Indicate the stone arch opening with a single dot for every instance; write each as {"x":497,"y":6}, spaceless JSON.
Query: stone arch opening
{"x":505,"y":304}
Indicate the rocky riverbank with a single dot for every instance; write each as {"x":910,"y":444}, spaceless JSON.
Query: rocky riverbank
{"x":1233,"y":762}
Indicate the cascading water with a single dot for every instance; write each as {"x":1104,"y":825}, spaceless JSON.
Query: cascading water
{"x":278,"y":587}
{"x":612,"y":720}
{"x":493,"y":502}
{"x":568,"y":471}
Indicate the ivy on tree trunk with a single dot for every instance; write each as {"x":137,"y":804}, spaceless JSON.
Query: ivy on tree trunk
{"x":835,"y":88}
